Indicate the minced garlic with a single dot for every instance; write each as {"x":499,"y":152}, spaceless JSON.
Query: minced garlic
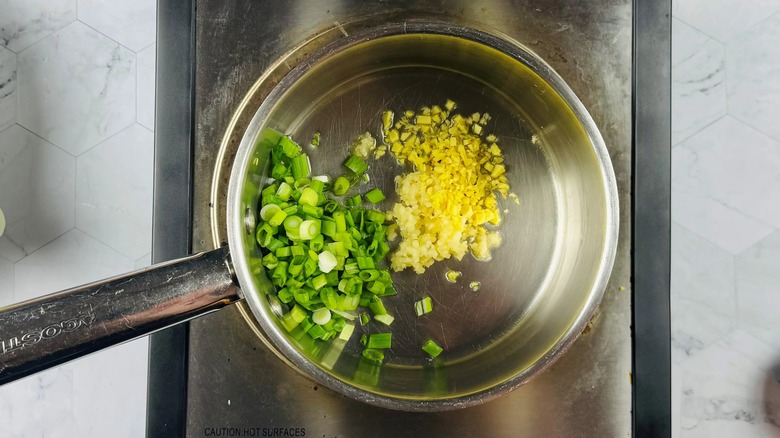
{"x":451,"y":194}
{"x":363,"y":145}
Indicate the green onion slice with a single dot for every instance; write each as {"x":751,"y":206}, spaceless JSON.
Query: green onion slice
{"x":432,"y":348}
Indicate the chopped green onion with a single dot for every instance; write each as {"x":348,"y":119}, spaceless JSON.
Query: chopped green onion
{"x":375,"y":216}
{"x":326,"y":261}
{"x":423,"y":306}
{"x":317,"y":243}
{"x":309,"y":229}
{"x":322,"y":257}
{"x":432,"y":348}
{"x":300,"y":183}
{"x":268,"y":211}
{"x":306,"y":324}
{"x":288,"y":322}
{"x":284,"y":192}
{"x":289,"y":147}
{"x":321,"y":316}
{"x":317,"y":185}
{"x":365,"y":263}
{"x":316,"y":331}
{"x":375,"y":196}
{"x":376,"y":306}
{"x":380,"y":341}
{"x":319,"y":282}
{"x":338,"y":249}
{"x":298,"y":313}
{"x":356,"y":164}
{"x":265,"y":233}
{"x":384,"y":319}
{"x":290,"y":210}
{"x":341,"y":223}
{"x":351,"y":269}
{"x":345,"y":284}
{"x":291,"y":225}
{"x":349,"y":302}
{"x":309,"y":197}
{"x":309,"y":267}
{"x":389,"y":291}
{"x":274,"y":245}
{"x":347,"y":331}
{"x":279,"y":171}
{"x":277,"y":218}
{"x":268,"y":191}
{"x":328,"y":228}
{"x":346,"y":314}
{"x":331,"y":206}
{"x":330,"y":298}
{"x":270,"y":261}
{"x":373,"y":355}
{"x":312,"y":211}
{"x":333,"y":278}
{"x":369,"y":275}
{"x":279,"y":276}
{"x":340,"y":186}
{"x":376,"y":287}
{"x":285,"y":295}
{"x":283,"y":252}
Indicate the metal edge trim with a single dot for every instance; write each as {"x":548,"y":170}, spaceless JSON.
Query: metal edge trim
{"x":651,"y":217}
{"x":172,"y":212}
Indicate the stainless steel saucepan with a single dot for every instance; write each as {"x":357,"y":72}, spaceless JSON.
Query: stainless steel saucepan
{"x":536,"y":295}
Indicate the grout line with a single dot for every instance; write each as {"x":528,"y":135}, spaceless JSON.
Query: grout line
{"x":112,"y":39}
{"x":106,"y":139}
{"x":46,"y":244}
{"x":16,"y":92}
{"x":9,"y":127}
{"x":150,"y":45}
{"x":45,"y":140}
{"x":698,"y":131}
{"x":114,"y":249}
{"x":707,"y":34}
{"x":682,"y":20}
{"x":137,"y":89}
{"x":737,"y":318}
{"x":135,"y":81}
{"x":707,"y":239}
{"x":76,"y":192}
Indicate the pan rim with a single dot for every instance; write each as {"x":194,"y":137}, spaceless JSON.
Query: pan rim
{"x":518,"y":52}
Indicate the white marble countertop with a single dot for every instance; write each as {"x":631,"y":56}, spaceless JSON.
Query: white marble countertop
{"x":76,"y":151}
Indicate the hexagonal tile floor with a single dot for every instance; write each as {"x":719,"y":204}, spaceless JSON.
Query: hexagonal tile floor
{"x":41,"y":205}
{"x":70,"y":92}
{"x":76,"y":88}
{"x":726,"y":236}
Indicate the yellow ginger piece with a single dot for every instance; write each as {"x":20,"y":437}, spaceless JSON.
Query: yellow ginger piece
{"x":451,"y":193}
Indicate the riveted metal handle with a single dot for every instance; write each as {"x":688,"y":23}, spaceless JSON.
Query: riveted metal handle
{"x":47,"y":331}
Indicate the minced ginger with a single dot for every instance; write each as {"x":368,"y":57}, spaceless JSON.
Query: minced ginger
{"x":451,"y":194}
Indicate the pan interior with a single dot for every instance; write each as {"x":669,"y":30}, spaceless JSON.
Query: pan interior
{"x":540,"y":284}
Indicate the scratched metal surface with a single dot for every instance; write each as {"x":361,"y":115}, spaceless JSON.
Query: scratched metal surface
{"x":234,"y":381}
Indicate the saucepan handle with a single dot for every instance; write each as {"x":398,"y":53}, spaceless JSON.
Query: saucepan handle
{"x":47,"y":331}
